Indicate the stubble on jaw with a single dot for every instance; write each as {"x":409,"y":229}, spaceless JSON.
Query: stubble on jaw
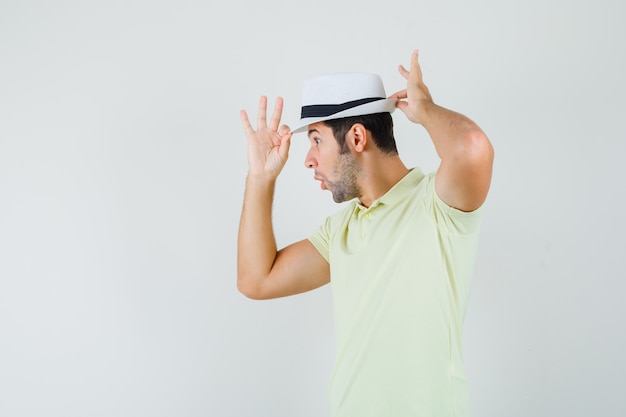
{"x":347,"y":172}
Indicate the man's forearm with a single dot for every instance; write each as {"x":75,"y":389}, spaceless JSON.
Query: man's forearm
{"x":256,"y":241}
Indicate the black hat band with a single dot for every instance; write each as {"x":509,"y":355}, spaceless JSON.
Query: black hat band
{"x":323,"y":110}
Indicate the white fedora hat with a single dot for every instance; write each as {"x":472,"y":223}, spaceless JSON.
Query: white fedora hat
{"x":343,"y":94}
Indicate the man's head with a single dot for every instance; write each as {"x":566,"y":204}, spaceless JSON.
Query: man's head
{"x":345,"y":114}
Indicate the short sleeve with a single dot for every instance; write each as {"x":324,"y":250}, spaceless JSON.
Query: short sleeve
{"x":450,"y":219}
{"x":321,"y":238}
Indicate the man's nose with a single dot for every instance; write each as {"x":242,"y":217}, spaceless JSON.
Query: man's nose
{"x":309,"y":161}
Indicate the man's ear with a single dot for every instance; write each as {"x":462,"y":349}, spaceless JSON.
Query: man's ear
{"x":357,"y":137}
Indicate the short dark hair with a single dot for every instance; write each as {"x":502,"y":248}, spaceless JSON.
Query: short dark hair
{"x":379,"y":124}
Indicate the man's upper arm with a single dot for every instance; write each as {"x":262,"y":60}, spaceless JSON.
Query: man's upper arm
{"x":298,"y":268}
{"x":463,"y":181}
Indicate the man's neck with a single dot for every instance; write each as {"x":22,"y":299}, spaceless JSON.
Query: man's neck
{"x":379,"y":176}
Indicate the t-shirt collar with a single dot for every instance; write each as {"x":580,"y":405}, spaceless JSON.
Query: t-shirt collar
{"x":398,"y":191}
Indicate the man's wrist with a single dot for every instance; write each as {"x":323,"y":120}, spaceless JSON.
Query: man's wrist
{"x":260,"y":179}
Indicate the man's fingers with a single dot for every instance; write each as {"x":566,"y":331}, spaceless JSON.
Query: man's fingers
{"x":416,"y":70}
{"x":283,"y":149}
{"x":403,"y":71}
{"x":262,"y":115}
{"x":415,"y":75}
{"x":403,"y":106}
{"x":399,"y":94}
{"x":276,"y":114}
{"x":245,"y":122}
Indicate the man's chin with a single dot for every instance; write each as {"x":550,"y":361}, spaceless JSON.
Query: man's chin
{"x":339,"y":198}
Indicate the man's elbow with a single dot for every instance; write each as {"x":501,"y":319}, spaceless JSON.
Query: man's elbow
{"x":476,"y":149}
{"x":249,"y":290}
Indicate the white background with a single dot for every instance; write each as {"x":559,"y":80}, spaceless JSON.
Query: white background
{"x":122,"y":167}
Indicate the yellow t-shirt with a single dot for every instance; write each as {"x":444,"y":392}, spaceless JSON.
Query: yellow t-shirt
{"x":400,"y":277}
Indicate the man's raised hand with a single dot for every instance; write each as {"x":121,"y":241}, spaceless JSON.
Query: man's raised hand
{"x":412,"y":100}
{"x":268,"y":146}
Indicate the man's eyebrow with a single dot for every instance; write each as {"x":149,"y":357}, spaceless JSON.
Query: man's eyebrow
{"x":312,"y":130}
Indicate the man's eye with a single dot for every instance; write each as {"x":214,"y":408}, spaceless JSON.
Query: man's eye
{"x":317,"y":141}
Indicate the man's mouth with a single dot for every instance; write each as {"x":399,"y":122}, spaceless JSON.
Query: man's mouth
{"x":321,"y":180}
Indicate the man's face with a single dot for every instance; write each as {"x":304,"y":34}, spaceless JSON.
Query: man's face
{"x":338,"y":172}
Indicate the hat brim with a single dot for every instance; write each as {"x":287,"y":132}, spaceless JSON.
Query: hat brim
{"x":387,"y":105}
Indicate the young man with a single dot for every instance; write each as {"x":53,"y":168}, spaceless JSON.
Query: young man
{"x":400,"y":255}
